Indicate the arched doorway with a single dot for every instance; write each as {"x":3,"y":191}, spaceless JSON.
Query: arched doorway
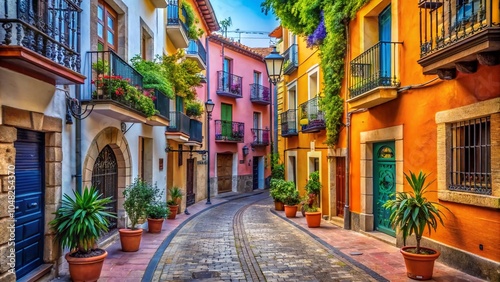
{"x":105,"y":179}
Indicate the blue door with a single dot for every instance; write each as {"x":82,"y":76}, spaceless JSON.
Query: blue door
{"x":384,"y":21}
{"x":29,"y":200}
{"x":384,"y":184}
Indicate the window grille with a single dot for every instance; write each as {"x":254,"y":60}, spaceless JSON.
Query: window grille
{"x":471,"y":156}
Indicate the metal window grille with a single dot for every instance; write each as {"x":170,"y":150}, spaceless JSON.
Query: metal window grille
{"x":471,"y":156}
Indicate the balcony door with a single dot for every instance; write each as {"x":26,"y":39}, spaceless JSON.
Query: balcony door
{"x":227,"y":120}
{"x":384,"y":21}
{"x":226,"y":67}
{"x":107,"y":27}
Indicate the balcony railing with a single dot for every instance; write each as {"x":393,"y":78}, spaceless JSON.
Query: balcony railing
{"x":229,"y":85}
{"x":162,"y":104}
{"x":289,"y":123}
{"x":176,"y":28}
{"x":48,"y":28}
{"x":291,"y":62}
{"x":260,"y":137}
{"x":260,"y":94}
{"x":179,"y":122}
{"x":229,"y":131}
{"x":377,"y":66}
{"x":195,"y":131}
{"x":312,"y":118}
{"x":196,"y":48}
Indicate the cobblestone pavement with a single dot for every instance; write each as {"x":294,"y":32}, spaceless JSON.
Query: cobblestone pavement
{"x":243,"y":241}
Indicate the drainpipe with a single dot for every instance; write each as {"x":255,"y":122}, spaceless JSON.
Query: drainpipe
{"x":208,"y":121}
{"x":78,"y":144}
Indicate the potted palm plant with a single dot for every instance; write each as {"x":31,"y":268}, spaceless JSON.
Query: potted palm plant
{"x":290,"y":198}
{"x":78,"y":223}
{"x":411,"y":213}
{"x":138,"y":196}
{"x":156,"y":212}
{"x":175,"y":201}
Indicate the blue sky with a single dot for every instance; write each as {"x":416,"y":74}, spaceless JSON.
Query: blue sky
{"x":246,"y":15}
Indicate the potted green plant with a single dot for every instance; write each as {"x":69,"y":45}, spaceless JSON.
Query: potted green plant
{"x":156,"y":213}
{"x":311,"y":211}
{"x":100,"y":67}
{"x":78,"y":223}
{"x":276,"y":192}
{"x":313,"y":188}
{"x":412,"y":213}
{"x":138,"y":197}
{"x":194,"y":109}
{"x":290,"y":198}
{"x":175,"y":201}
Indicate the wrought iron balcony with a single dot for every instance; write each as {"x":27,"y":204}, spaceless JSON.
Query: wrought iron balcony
{"x":312,"y":118}
{"x":229,"y":131}
{"x":260,"y":94}
{"x":456,"y":35}
{"x":180,"y":123}
{"x":42,"y":39}
{"x":162,"y":106}
{"x":195,"y":131}
{"x":229,"y":85}
{"x":176,"y":29}
{"x":291,"y":62}
{"x":260,"y":137}
{"x":196,"y":51}
{"x":289,"y":123}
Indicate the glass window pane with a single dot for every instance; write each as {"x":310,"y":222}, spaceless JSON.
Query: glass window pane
{"x":100,"y":13}
{"x":100,"y":30}
{"x":111,"y":22}
{"x":111,"y":38}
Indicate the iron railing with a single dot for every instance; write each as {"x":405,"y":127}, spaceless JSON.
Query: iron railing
{"x":162,"y":104}
{"x":289,"y":123}
{"x":196,"y":48}
{"x":179,"y":122}
{"x":377,"y":66}
{"x":260,"y":137}
{"x":229,"y":84}
{"x":311,"y":117}
{"x":49,"y":28}
{"x":291,"y":62}
{"x":195,"y":131}
{"x":230,"y":131}
{"x":444,"y":23}
{"x":260,"y":94}
{"x":173,"y":15}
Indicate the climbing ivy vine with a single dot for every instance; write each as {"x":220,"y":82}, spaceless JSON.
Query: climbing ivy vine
{"x":303,"y":17}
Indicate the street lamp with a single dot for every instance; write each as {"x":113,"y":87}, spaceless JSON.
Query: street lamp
{"x":274,"y":63}
{"x":209,"y":107}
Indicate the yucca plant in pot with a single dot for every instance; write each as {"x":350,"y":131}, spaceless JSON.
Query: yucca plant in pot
{"x":138,"y":196}
{"x":78,"y":223}
{"x":175,"y":201}
{"x":412,"y":213}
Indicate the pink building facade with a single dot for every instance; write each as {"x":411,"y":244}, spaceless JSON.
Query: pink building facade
{"x":240,"y":131}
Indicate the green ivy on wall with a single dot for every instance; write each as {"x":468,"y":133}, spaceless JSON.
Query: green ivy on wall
{"x":302,"y":17}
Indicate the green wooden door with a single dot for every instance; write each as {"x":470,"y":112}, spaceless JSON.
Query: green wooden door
{"x":384,"y":184}
{"x":179,"y":104}
{"x":227,"y":120}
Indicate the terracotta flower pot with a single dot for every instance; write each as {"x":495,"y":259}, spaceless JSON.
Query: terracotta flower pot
{"x":279,"y":206}
{"x":130,"y":239}
{"x":290,"y":211}
{"x":313,"y":219}
{"x":419,"y":266}
{"x":155,"y":225}
{"x":85,"y":269}
{"x":173,"y":211}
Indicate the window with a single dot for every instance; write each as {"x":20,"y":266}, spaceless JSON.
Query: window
{"x":107,"y":26}
{"x":471,"y":156}
{"x":256,"y":77}
{"x":465,"y":11}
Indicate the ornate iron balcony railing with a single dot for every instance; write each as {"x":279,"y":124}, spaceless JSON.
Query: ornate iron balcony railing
{"x":260,"y":137}
{"x":260,"y":94}
{"x":179,"y":122}
{"x":311,"y":117}
{"x":291,"y":62}
{"x":377,"y":66}
{"x":229,"y":85}
{"x":173,"y":15}
{"x":196,"y":48}
{"x":444,"y":23}
{"x":195,"y":130}
{"x":49,"y":28}
{"x":229,"y":131}
{"x":162,"y":104}
{"x":289,"y":123}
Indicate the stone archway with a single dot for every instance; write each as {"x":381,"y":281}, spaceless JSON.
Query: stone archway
{"x":118,"y":143}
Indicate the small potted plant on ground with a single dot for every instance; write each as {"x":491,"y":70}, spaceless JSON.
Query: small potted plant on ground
{"x":156,"y":212}
{"x":290,"y":198}
{"x":313,"y":189}
{"x":78,"y":224}
{"x":175,"y":201}
{"x":411,"y":213}
{"x":276,"y":192}
{"x":138,"y":196}
{"x":312,"y":213}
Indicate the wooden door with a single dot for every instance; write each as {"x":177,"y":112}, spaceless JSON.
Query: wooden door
{"x":224,"y":173}
{"x":340,"y":186}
